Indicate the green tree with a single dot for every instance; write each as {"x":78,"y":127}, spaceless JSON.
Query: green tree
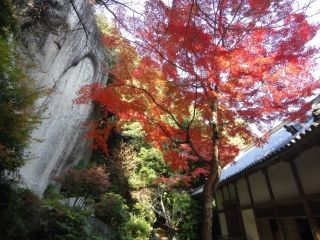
{"x":17,"y":96}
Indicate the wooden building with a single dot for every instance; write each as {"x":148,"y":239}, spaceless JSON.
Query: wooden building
{"x":273,"y":192}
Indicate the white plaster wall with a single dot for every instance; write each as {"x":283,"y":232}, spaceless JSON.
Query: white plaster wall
{"x":282,"y":181}
{"x":308,"y":166}
{"x":243,"y":192}
{"x":259,"y":188}
{"x":250,"y":224}
{"x":223,"y":224}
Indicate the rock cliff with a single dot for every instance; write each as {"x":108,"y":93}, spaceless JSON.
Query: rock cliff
{"x":65,"y":57}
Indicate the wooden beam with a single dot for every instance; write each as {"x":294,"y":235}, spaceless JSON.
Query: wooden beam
{"x":266,"y":175}
{"x":314,"y":225}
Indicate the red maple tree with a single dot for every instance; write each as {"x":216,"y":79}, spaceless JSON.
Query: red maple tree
{"x":200,"y":71}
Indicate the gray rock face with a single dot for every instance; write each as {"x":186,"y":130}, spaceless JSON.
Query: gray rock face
{"x":65,"y":58}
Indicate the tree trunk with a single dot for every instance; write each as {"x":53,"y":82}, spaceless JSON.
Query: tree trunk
{"x":213,"y":178}
{"x":208,"y":192}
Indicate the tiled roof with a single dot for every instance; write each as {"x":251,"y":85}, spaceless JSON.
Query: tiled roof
{"x":278,"y":142}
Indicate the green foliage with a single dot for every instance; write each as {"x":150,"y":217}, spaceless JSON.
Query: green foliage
{"x":24,"y":216}
{"x":148,"y":166}
{"x":7,"y":18}
{"x":137,"y":228}
{"x":144,"y":163}
{"x":52,"y":192}
{"x":133,"y":131}
{"x":60,"y":222}
{"x":17,"y":97}
{"x":180,"y":211}
{"x":112,"y":209}
{"x":111,"y":56}
{"x":144,"y":211}
{"x":19,"y":213}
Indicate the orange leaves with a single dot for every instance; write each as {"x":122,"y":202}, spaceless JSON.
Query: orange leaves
{"x":249,"y":57}
{"x":176,"y":160}
{"x":99,"y":134}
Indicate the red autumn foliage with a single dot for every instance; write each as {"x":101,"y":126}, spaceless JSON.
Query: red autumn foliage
{"x":203,"y":70}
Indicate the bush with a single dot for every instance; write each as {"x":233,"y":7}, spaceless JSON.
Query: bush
{"x":20,"y":213}
{"x":87,"y":183}
{"x":179,"y":211}
{"x":148,"y":166}
{"x":113,"y":210}
{"x":137,"y":228}
{"x":60,"y":222}
{"x":24,"y":216}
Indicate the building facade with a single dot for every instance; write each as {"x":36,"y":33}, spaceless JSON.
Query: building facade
{"x":273,"y":192}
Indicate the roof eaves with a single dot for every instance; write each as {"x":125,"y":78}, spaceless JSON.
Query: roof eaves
{"x":276,"y":152}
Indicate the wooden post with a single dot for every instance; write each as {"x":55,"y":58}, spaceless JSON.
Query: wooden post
{"x":228,"y":186}
{"x":243,"y":232}
{"x":275,"y":209}
{"x":252,"y":204}
{"x":312,"y":222}
{"x":250,"y":192}
{"x":224,"y":199}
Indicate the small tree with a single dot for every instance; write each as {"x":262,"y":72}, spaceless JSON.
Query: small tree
{"x":84,"y":183}
{"x":203,"y":70}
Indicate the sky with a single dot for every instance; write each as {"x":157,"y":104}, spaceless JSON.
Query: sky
{"x":138,"y":6}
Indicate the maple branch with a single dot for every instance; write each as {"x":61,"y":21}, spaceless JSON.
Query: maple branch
{"x":225,"y":29}
{"x":194,"y":110}
{"x":157,"y":104}
{"x":101,"y":2}
{"x":161,"y":128}
{"x":188,"y":22}
{"x":187,"y":141}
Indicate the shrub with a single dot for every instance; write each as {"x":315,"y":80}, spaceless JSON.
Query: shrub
{"x":20,"y":213}
{"x":87,"y":183}
{"x":179,"y":211}
{"x":136,"y":228}
{"x":113,"y":210}
{"x":60,"y":222}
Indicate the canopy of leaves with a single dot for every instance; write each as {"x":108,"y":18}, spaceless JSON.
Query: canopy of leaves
{"x":250,"y":58}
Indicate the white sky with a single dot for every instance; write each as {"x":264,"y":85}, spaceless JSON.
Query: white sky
{"x":138,"y":6}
